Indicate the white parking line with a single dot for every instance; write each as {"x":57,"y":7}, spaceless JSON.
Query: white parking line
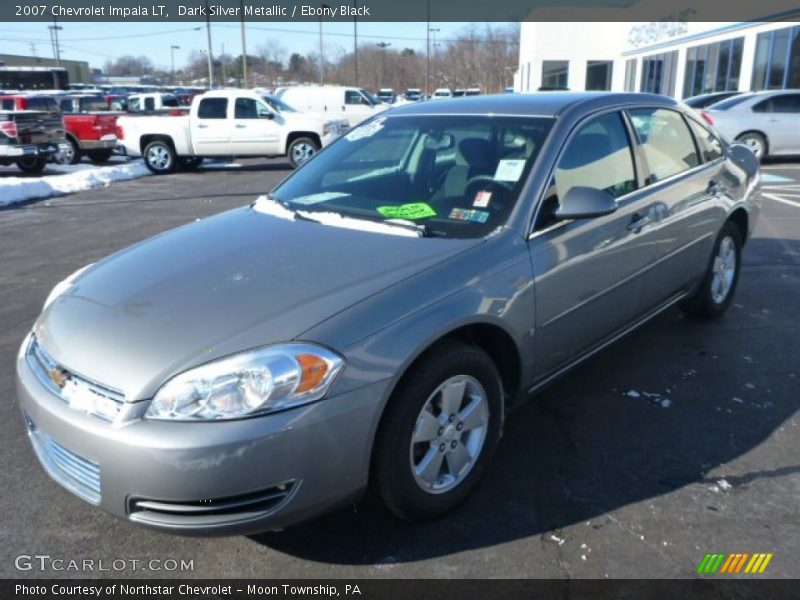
{"x":782,"y":200}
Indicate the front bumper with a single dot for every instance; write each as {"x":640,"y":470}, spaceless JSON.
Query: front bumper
{"x":227,"y":477}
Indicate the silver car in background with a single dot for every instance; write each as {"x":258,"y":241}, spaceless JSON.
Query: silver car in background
{"x":371,"y":320}
{"x":766,"y":122}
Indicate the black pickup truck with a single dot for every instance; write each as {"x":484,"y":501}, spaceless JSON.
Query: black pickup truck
{"x":30,"y":138}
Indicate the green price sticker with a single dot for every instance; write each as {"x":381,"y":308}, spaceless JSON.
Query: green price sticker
{"x":415,"y":210}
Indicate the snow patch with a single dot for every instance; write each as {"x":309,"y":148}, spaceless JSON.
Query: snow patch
{"x":724,"y":485}
{"x":71,"y":179}
{"x":558,"y":540}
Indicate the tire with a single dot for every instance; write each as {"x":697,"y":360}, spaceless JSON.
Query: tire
{"x":399,"y":477}
{"x":32,"y":165}
{"x":159,"y":157}
{"x":301,"y":151}
{"x":100,"y":156}
{"x":719,"y":283}
{"x":71,"y":157}
{"x":189,"y":163}
{"x":756,"y":142}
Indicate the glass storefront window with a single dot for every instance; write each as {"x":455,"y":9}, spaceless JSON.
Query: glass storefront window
{"x":555,"y":74}
{"x":713,"y":67}
{"x":777,"y":60}
{"x":598,"y":75}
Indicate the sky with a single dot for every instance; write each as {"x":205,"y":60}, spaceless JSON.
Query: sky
{"x":98,"y":42}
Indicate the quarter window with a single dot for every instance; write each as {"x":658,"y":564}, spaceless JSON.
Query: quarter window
{"x":666,"y":141}
{"x":213,"y":108}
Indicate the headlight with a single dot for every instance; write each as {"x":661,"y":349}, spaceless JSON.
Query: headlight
{"x":63,"y":286}
{"x":329,"y":127}
{"x":252,"y":383}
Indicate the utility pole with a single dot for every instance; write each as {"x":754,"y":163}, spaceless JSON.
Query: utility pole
{"x":172,"y":63}
{"x":210,"y":59}
{"x":434,"y":31}
{"x":321,"y":52}
{"x":54,"y":29}
{"x":222,"y":60}
{"x":33,"y":49}
{"x":383,"y":46}
{"x":428,"y":52}
{"x":355,"y":38}
{"x":244,"y":48}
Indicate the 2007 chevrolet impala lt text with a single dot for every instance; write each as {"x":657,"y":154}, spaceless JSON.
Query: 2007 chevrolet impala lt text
{"x":371,"y":320}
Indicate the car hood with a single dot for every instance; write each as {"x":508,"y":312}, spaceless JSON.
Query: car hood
{"x":215,"y":287}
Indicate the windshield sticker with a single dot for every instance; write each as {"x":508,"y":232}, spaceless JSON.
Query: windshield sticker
{"x":464,"y":214}
{"x":365,"y":131}
{"x":509,"y":169}
{"x":482,"y":199}
{"x":317,"y":198}
{"x":415,"y":210}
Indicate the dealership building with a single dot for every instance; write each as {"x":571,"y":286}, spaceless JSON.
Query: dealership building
{"x":675,"y":58}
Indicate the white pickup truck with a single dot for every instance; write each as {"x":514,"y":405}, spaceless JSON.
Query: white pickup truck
{"x":223,"y":123}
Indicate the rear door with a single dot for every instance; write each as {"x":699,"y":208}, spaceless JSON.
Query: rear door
{"x":211,"y":128}
{"x":588,"y":272}
{"x":685,"y":184}
{"x":253,"y":131}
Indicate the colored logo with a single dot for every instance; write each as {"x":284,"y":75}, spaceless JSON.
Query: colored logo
{"x":741,"y":562}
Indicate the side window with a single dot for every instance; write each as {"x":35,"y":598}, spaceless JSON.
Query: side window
{"x":245,"y":108}
{"x":213,"y":108}
{"x":353,"y":97}
{"x":765,"y":106}
{"x":598,"y":156}
{"x":149,"y":103}
{"x":666,"y":141}
{"x":710,"y":146}
{"x":786,"y":103}
{"x":134,"y":104}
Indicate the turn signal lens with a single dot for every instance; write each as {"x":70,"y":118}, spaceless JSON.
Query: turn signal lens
{"x":312,"y":369}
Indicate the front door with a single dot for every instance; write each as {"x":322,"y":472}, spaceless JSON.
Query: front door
{"x":256,"y":130}
{"x":588,"y":272}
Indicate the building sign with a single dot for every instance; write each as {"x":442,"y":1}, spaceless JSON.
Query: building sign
{"x":651,"y":33}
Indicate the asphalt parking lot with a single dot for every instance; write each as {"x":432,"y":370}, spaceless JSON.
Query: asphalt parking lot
{"x":679,"y":440}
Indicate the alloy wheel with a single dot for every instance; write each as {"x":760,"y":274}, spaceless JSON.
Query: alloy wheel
{"x":724,"y":270}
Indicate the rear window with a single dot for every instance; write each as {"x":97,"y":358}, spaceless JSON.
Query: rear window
{"x":43,"y":104}
{"x":730,"y":102}
{"x":213,"y":108}
{"x":7,"y":104}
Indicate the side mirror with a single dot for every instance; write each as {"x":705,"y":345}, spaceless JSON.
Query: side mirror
{"x":585,"y":202}
{"x":265,"y":114}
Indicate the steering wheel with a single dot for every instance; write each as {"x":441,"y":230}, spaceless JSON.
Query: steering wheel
{"x":499,"y":190}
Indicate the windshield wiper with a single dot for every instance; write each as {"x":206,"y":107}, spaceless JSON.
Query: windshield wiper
{"x":406,"y":224}
{"x":298,"y":216}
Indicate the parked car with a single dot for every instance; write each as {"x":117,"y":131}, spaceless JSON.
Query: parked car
{"x":766,"y":122}
{"x":442,"y":94}
{"x":413,"y":94}
{"x":156,"y":101}
{"x":223,"y":123}
{"x":30,"y":138}
{"x":473,"y":91}
{"x":704,"y":100}
{"x":371,"y":321}
{"x":387,"y":95}
{"x":89,"y":128}
{"x":351,"y":103}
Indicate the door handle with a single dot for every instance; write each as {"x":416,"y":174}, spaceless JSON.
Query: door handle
{"x":240,"y":126}
{"x":713,"y":187}
{"x":638,"y":221}
{"x":201,"y":126}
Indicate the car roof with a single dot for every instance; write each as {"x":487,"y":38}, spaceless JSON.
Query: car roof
{"x":548,"y":104}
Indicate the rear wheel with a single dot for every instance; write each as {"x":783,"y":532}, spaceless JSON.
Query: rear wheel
{"x":439,"y":432}
{"x":32,"y":164}
{"x":70,"y":155}
{"x":719,"y":284}
{"x":159,"y":157}
{"x":100,"y":156}
{"x":755,"y":141}
{"x":302,"y":150}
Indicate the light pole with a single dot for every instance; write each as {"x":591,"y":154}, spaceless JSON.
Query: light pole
{"x":434,"y":31}
{"x":244,"y":48}
{"x":172,"y":63}
{"x":54,"y":29}
{"x":383,"y":46}
{"x":321,"y":53}
{"x":428,"y":52}
{"x":355,"y":38}
{"x":210,"y":59}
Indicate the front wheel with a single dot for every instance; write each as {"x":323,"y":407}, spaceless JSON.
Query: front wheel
{"x":302,"y":150}
{"x":32,"y":164}
{"x":716,"y":291}
{"x":159,"y":157}
{"x":439,"y":433}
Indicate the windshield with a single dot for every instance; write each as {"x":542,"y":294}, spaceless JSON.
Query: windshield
{"x":446,"y":176}
{"x":278,"y":104}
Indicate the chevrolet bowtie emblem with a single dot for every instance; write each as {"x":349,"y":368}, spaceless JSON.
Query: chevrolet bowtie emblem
{"x":58,"y":377}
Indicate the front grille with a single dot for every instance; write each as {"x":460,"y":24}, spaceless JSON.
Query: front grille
{"x":79,"y":475}
{"x":211,"y":511}
{"x":79,"y":392}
